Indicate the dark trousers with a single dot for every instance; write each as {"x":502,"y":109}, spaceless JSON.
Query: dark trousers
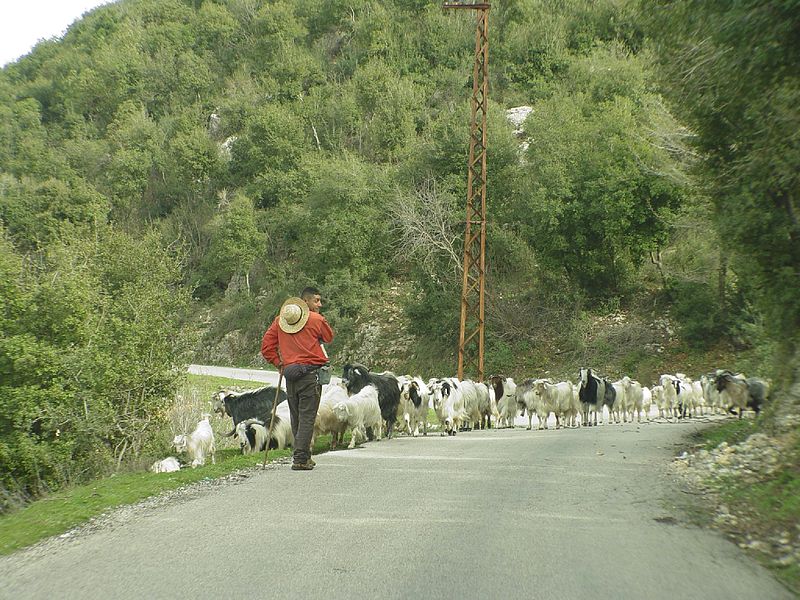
{"x":303,"y":398}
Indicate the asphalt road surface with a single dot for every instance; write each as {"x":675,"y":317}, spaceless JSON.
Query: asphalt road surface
{"x":558,"y":514}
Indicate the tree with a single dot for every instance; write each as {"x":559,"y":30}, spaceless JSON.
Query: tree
{"x":268,"y":152}
{"x":236,"y":242}
{"x":136,"y":145}
{"x":730,"y":70}
{"x":37,"y":213}
{"x":597,"y":189}
{"x":341,"y":224}
{"x":427,"y":232}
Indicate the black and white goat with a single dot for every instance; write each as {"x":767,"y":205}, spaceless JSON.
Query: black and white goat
{"x":505,"y":395}
{"x":591,"y":394}
{"x":252,"y":433}
{"x":356,"y":377}
{"x":414,"y":401}
{"x":251,"y":404}
{"x":740,"y":392}
{"x":448,"y":403}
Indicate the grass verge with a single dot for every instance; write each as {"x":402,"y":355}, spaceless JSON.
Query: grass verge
{"x":732,"y":432}
{"x":71,"y":507}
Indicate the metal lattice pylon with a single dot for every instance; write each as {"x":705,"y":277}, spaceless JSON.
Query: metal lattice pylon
{"x":471,"y":335}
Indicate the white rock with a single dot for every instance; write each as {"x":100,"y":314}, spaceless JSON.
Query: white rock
{"x":517,"y":115}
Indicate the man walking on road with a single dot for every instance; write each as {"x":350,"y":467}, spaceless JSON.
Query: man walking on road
{"x":293,"y":343}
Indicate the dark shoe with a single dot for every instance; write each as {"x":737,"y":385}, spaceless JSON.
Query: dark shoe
{"x":307,"y":466}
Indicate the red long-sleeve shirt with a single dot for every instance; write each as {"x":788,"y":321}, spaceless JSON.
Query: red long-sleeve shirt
{"x":302,"y":348}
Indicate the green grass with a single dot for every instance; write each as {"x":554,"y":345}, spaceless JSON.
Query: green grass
{"x":732,"y":432}
{"x":207,"y":384}
{"x":776,"y":500}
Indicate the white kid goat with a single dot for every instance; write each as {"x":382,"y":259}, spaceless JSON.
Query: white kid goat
{"x":166,"y":465}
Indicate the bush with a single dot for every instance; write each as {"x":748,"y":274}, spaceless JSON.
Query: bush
{"x":696,"y":309}
{"x":88,"y":359}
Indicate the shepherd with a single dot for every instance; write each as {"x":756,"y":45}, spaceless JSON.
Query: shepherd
{"x":293,"y":343}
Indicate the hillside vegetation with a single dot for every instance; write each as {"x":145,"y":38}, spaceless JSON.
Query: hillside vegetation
{"x":171,"y":170}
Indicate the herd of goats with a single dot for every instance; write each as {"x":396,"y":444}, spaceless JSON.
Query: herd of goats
{"x":370,"y":405}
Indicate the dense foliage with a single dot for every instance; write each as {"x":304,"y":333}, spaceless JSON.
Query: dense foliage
{"x":92,"y":340}
{"x":731,"y":70}
{"x":237,"y":150}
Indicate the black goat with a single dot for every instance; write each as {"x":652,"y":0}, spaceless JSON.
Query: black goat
{"x":356,"y":376}
{"x":251,"y":404}
{"x":610,"y":395}
{"x":758,"y":390}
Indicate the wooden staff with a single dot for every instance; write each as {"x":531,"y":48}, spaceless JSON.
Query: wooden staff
{"x":272,"y":419}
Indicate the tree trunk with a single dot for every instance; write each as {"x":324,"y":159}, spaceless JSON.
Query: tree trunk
{"x":722,"y":275}
{"x":783,"y":412}
{"x":655,"y":258}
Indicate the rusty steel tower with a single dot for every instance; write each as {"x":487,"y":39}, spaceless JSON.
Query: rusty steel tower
{"x":471,"y":335}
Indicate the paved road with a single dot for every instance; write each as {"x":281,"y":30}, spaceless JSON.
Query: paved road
{"x":561,"y":514}
{"x":244,"y":374}
{"x":232,"y":373}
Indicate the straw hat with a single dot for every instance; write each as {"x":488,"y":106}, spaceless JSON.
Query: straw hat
{"x":294,"y":315}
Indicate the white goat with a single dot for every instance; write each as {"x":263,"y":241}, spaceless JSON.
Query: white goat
{"x":658,"y":398}
{"x":557,"y":398}
{"x":326,"y":421}
{"x":484,"y":405}
{"x":669,"y":397}
{"x":472,"y":402}
{"x":620,"y":408}
{"x":647,"y":401}
{"x":711,"y":394}
{"x":700,"y":399}
{"x":634,"y":396}
{"x":197,"y":444}
{"x":687,"y":400}
{"x":358,"y":412}
{"x":448,"y":404}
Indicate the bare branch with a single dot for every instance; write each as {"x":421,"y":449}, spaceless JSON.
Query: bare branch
{"x":426,"y":231}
